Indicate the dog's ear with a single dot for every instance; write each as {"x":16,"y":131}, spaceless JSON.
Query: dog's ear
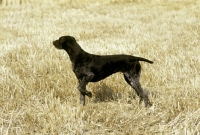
{"x":71,"y":40}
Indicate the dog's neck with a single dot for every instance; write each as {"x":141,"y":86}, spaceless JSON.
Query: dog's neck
{"x":74,"y":52}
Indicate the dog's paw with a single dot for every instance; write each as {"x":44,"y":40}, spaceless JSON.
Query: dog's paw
{"x":89,"y":94}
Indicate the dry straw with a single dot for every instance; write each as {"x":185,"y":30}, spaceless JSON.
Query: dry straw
{"x":38,"y":89}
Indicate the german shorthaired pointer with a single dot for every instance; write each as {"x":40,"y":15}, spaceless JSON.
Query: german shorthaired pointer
{"x":92,"y":68}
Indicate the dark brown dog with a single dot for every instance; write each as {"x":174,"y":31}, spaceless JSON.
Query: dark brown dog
{"x":92,"y":68}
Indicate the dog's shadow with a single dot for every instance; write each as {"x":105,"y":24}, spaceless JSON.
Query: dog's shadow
{"x":104,"y":93}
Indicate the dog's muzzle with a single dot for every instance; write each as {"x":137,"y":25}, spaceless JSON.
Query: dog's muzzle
{"x":57,"y":45}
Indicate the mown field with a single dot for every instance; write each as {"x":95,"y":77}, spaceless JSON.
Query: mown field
{"x":38,"y":90}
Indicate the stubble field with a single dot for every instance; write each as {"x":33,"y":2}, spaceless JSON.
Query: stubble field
{"x":38,"y":90}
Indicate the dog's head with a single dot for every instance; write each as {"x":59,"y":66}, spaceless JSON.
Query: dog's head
{"x":63,"y":42}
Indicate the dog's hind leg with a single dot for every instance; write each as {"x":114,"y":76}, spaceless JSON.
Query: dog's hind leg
{"x":82,"y":87}
{"x":132,"y":77}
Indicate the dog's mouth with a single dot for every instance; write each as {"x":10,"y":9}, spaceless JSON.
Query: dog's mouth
{"x":57,"y":44}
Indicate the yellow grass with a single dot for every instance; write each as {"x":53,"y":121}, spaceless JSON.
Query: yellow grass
{"x":38,"y":90}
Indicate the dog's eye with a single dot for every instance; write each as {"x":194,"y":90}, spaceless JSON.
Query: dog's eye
{"x":61,"y":41}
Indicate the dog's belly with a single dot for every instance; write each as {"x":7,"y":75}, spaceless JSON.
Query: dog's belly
{"x":101,"y":75}
{"x":98,"y":78}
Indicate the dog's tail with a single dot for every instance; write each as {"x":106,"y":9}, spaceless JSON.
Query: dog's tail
{"x":143,"y":59}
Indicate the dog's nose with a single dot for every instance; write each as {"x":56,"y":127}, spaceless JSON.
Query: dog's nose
{"x":54,"y":42}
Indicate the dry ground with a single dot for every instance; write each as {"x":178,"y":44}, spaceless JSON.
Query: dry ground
{"x":38,"y":90}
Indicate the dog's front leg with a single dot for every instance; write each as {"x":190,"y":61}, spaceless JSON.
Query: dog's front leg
{"x":82,"y":87}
